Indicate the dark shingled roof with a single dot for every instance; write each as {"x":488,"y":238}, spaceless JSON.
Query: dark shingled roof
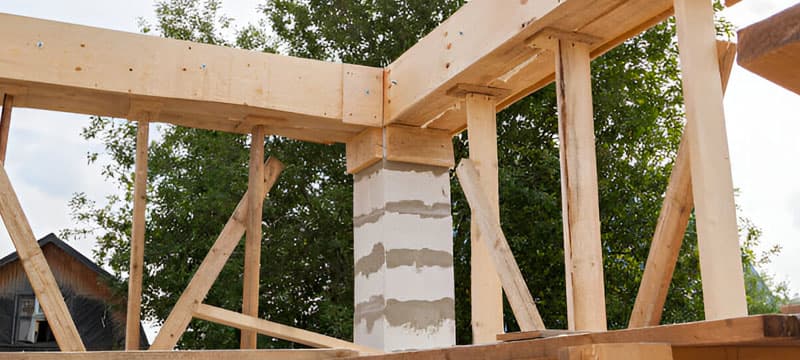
{"x":53,"y":239}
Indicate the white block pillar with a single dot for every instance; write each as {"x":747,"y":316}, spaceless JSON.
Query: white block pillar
{"x":404,"y":282}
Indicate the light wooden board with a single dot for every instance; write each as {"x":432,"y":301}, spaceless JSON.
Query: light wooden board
{"x":672,"y":222}
{"x":629,"y":351}
{"x":269,"y":328}
{"x":712,"y":185}
{"x":136,"y":270}
{"x":485,"y":283}
{"x":771,"y":48}
{"x":209,"y":269}
{"x":496,"y":245}
{"x":586,"y":307}
{"x":315,"y":354}
{"x":400,"y":143}
{"x":364,"y":149}
{"x":5,"y":125}
{"x":58,"y":66}
{"x":252,"y":248}
{"x":36,"y":268}
{"x":737,"y":353}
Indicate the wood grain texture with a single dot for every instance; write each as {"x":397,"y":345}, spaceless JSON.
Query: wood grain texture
{"x":252,"y":246}
{"x":209,"y":269}
{"x":39,"y":274}
{"x":136,"y":269}
{"x":579,"y":194}
{"x":629,"y":351}
{"x":315,"y":354}
{"x":5,"y":125}
{"x":712,"y":184}
{"x":496,"y":245}
{"x":771,"y":48}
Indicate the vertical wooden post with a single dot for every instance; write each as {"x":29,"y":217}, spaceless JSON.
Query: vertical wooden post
{"x":252,"y":252}
{"x":5,"y":125}
{"x":136,"y":272}
{"x":487,"y":293}
{"x":712,"y":185}
{"x":39,"y":274}
{"x":583,"y":256}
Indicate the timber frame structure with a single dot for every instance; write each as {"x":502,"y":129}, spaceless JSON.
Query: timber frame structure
{"x":398,"y":121}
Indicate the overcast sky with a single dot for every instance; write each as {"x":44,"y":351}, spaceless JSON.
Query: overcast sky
{"x":47,"y":157}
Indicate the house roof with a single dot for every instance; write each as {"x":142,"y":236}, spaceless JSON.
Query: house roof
{"x":53,"y":239}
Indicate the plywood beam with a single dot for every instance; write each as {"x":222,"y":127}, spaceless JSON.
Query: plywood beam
{"x":294,"y":354}
{"x":771,"y":48}
{"x":279,"y":331}
{"x":136,"y":270}
{"x":39,"y":274}
{"x":485,"y":284}
{"x":82,"y":69}
{"x":672,"y":222}
{"x":627,"y":351}
{"x":5,"y":125}
{"x":586,"y":306}
{"x":712,"y":185}
{"x":209,"y":269}
{"x":496,"y":245}
{"x":252,"y":249}
{"x":400,"y":143}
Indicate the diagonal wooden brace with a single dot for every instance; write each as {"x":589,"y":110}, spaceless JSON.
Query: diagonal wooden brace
{"x":212,"y":265}
{"x":519,"y":297}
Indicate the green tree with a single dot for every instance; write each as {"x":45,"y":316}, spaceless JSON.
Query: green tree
{"x":196,"y":177}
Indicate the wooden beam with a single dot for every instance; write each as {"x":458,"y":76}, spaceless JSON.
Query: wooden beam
{"x":740,"y":352}
{"x":672,"y":222}
{"x":209,"y":269}
{"x":536,"y":334}
{"x":5,"y":125}
{"x":712,"y":185}
{"x":39,"y":274}
{"x":790,"y":308}
{"x":629,"y":351}
{"x":293,"y":354}
{"x":72,"y":68}
{"x":486,"y":289}
{"x":586,"y":306}
{"x":771,"y":48}
{"x":136,"y":270}
{"x":764,"y":330}
{"x":279,"y":331}
{"x":484,"y":43}
{"x":252,"y":249}
{"x":400,"y":143}
{"x":496,"y":245}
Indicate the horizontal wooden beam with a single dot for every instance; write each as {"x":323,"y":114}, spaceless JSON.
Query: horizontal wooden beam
{"x":402,"y":144}
{"x":771,"y":48}
{"x":63,"y":67}
{"x":629,"y":351}
{"x":269,"y":328}
{"x":301,"y":354}
{"x":484,"y":43}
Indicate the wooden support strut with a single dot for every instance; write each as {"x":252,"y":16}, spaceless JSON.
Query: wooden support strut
{"x":496,"y":245}
{"x":36,"y":268}
{"x":252,"y":250}
{"x":712,"y":184}
{"x":136,"y":271}
{"x":5,"y":125}
{"x":583,"y":256}
{"x":672,"y":222}
{"x":212,"y":265}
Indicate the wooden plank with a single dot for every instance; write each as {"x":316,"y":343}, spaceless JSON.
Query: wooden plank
{"x":629,"y":351}
{"x":39,"y":275}
{"x":269,"y":328}
{"x":486,"y":217}
{"x":136,"y":270}
{"x":790,"y":309}
{"x":771,"y":48}
{"x":419,"y":146}
{"x":484,"y":44}
{"x":736,"y":352}
{"x":362,"y":99}
{"x":486,"y":288}
{"x":672,"y":222}
{"x":712,"y":185}
{"x":209,"y":269}
{"x":536,"y":334}
{"x":252,"y":248}
{"x":364,"y":150}
{"x":579,"y":194}
{"x":730,"y":3}
{"x":294,"y":354}
{"x":83,"y":69}
{"x":5,"y":125}
{"x":763,"y":330}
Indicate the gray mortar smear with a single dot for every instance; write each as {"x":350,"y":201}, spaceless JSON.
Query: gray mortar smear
{"x":416,"y":314}
{"x":418,"y":258}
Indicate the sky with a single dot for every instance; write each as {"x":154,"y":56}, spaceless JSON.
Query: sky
{"x":47,"y":156}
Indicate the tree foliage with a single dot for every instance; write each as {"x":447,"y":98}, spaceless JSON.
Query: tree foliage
{"x":196,"y":178}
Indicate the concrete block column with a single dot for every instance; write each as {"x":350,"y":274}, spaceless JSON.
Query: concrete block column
{"x":404,"y":282}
